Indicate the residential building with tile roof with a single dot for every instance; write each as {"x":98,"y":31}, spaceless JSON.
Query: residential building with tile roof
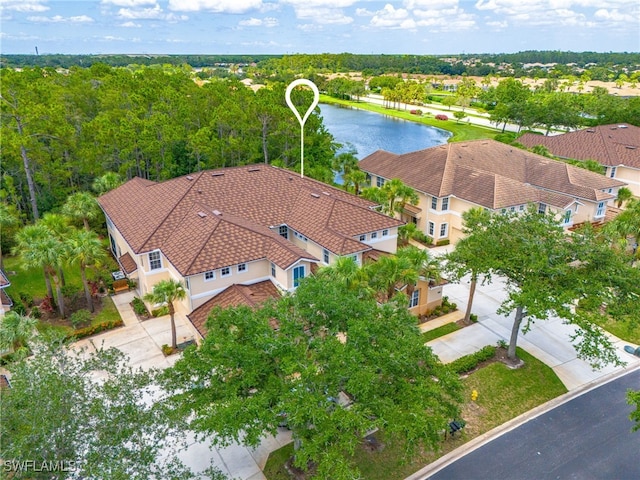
{"x":615,"y":147}
{"x":5,"y":301}
{"x":453,"y":178}
{"x":238,"y":226}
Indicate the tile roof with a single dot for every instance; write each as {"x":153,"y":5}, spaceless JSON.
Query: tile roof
{"x":5,"y":299}
{"x":252,"y":295}
{"x":491,"y":174}
{"x":4,"y":281}
{"x":610,"y":145}
{"x":127,"y":263}
{"x":179,"y":217}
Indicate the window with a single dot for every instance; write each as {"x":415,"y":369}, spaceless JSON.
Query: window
{"x":432,"y":229}
{"x":379,"y":182}
{"x":273,"y":270}
{"x":300,"y":236}
{"x":225,"y":271}
{"x":444,"y":229}
{"x":374,"y":235}
{"x":503,"y":211}
{"x":414,"y":301}
{"x":363,"y":238}
{"x":512,"y":209}
{"x":445,"y":204}
{"x":210,"y":275}
{"x":154,"y":261}
{"x":242,"y":267}
{"x":521,"y":208}
{"x":612,"y":172}
{"x":542,"y":208}
{"x":434,"y":203}
{"x":385,"y":233}
{"x":283,"y":230}
{"x":325,"y":256}
{"x":298,"y":274}
{"x":600,"y":211}
{"x":567,"y":217}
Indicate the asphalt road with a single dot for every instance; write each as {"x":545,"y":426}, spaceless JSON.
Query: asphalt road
{"x":587,"y":438}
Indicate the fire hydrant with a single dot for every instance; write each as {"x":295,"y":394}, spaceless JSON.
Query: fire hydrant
{"x":474,"y":395}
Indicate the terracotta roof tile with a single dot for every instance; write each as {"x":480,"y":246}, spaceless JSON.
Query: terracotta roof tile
{"x":5,"y":299}
{"x":610,"y":145}
{"x":489,"y":173}
{"x":252,"y":295}
{"x":127,"y":263}
{"x":167,"y":216}
{"x":4,"y":281}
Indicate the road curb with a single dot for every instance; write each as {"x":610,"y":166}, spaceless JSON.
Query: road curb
{"x":434,"y":467}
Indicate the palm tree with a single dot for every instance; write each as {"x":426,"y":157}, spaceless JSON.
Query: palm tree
{"x":398,"y":194}
{"x":167,"y":292}
{"x":58,"y":226}
{"x":86,"y":249}
{"x":38,"y":248}
{"x":15,"y":332}
{"x":406,"y":233}
{"x":355,"y":177}
{"x":391,"y":272}
{"x":624,"y":194}
{"x":107,"y":182}
{"x":347,"y":272}
{"x":81,"y":206}
{"x":425,"y":265}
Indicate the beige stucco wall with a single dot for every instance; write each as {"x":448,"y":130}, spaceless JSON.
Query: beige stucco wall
{"x":430,"y":298}
{"x":630,"y":176}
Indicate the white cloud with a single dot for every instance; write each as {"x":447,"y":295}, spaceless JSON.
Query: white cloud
{"x":390,"y":17}
{"x":111,"y":38}
{"x":23,"y":6}
{"x":61,"y":19}
{"x":268,"y":22}
{"x":615,"y":16}
{"x":498,"y":25}
{"x":310,"y":27}
{"x":319,"y":3}
{"x":154,"y":13}
{"x":430,"y":4}
{"x":215,"y":6}
{"x":131,"y":24}
{"x":323,"y":15}
{"x":129,"y":3}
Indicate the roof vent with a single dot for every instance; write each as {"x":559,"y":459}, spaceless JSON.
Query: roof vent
{"x":631,"y":147}
{"x":622,"y":126}
{"x":253,"y":170}
{"x":614,"y":128}
{"x":199,"y":191}
{"x":189,"y":177}
{"x":217,"y":174}
{"x":202,"y":214}
{"x":326,"y":193}
{"x":217,"y":212}
{"x":591,"y":130}
{"x":315,"y":195}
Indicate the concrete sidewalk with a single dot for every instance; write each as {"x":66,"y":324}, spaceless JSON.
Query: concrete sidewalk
{"x":549,"y":340}
{"x":142,"y":341}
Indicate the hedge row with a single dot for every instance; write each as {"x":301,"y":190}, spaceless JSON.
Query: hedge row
{"x":93,"y":329}
{"x":469,"y":362}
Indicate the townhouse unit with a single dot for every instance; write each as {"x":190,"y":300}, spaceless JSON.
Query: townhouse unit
{"x":238,"y":235}
{"x":453,"y":178}
{"x":615,"y":147}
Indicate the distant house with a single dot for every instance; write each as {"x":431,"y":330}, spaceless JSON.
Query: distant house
{"x":237,"y":235}
{"x":5,"y":301}
{"x":615,"y":147}
{"x":453,"y":178}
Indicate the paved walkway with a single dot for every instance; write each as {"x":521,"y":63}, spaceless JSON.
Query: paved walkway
{"x":549,"y":340}
{"x":142,"y":342}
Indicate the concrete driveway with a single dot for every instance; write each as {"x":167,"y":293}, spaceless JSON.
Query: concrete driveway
{"x":142,"y":341}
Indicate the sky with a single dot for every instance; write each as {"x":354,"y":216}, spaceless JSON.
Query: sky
{"x":424,"y":27}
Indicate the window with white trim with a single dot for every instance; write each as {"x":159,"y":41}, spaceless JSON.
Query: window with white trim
{"x":434,"y":203}
{"x":444,"y":229}
{"x":379,"y":182}
{"x":600,"y":210}
{"x":445,"y":204}
{"x":374,"y":235}
{"x":612,"y":172}
{"x":521,"y":208}
{"x":298,"y":275}
{"x":432,"y":229}
{"x":567,"y":217}
{"x":385,"y":232}
{"x":325,"y":256}
{"x":512,"y":209}
{"x":273,"y":270}
{"x":542,"y":208}
{"x":155,"y":262}
{"x":242,"y":267}
{"x":363,"y":238}
{"x":210,"y":275}
{"x":414,"y":301}
{"x":225,"y":271}
{"x":283,"y":230}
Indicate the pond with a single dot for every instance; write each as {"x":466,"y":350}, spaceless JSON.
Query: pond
{"x":365,"y":132}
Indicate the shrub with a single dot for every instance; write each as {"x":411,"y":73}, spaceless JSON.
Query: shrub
{"x":80,"y":317}
{"x":26,"y":298}
{"x":167,"y":350}
{"x":469,"y":362}
{"x":47,"y":305}
{"x":35,"y":312}
{"x":441,"y":116}
{"x":69,"y":291}
{"x":19,"y":309}
{"x":473,"y":317}
{"x":139,"y":307}
{"x":159,"y":312}
{"x":416,"y":112}
{"x":93,"y":329}
{"x":444,"y":241}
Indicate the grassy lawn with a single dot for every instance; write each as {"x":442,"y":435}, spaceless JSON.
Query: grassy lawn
{"x":461,"y":131}
{"x":440,"y":331}
{"x":624,"y":330}
{"x":502,"y":395}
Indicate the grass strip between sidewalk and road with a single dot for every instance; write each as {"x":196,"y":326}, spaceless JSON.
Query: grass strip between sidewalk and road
{"x":503,"y":394}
